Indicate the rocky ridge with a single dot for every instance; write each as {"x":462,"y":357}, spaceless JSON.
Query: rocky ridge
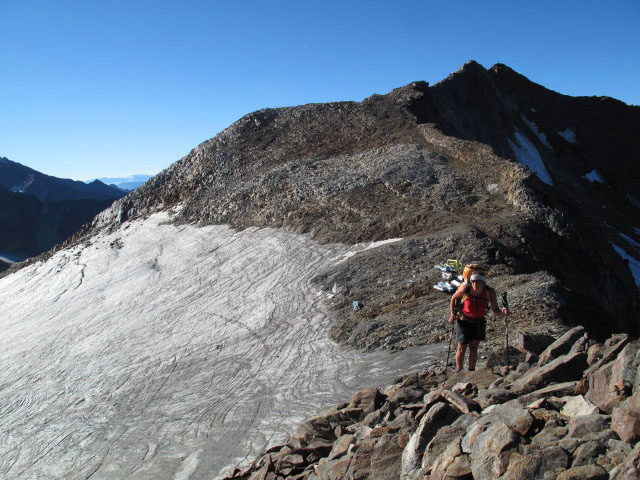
{"x":568,"y":411}
{"x":443,"y":168}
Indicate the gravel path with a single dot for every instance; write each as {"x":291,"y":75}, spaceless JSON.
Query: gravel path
{"x":170,"y":352}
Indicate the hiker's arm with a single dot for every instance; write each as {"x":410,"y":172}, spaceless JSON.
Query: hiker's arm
{"x":494,"y":305}
{"x":459,"y":293}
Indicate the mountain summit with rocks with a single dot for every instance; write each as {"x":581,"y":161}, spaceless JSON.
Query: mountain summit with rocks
{"x":193,"y":324}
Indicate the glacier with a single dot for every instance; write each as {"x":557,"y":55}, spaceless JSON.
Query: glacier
{"x":161,"y":351}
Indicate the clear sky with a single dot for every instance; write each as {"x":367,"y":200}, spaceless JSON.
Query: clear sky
{"x":108,"y":88}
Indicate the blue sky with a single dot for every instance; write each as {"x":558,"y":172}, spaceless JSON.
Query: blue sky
{"x":110,"y":88}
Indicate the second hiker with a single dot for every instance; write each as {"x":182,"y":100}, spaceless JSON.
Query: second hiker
{"x":474,"y":298}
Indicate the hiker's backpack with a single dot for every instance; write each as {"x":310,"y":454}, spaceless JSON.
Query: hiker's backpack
{"x":472,"y":268}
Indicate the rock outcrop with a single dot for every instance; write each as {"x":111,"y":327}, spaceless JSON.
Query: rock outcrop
{"x":428,"y":427}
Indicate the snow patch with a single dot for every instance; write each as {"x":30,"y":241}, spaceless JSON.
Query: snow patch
{"x":634,"y":264}
{"x":361,"y":247}
{"x":493,"y":189}
{"x":569,"y":135}
{"x":534,"y":128}
{"x":594,"y":176}
{"x":527,"y":154}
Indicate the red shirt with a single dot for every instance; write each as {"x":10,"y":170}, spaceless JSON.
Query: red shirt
{"x":475,"y":306}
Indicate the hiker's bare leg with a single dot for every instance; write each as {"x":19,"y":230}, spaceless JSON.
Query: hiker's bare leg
{"x":460,"y":356}
{"x":473,"y":354}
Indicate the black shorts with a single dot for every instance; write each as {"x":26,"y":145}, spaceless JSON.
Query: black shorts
{"x":467,"y":331}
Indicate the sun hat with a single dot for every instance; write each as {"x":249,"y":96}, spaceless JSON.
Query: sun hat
{"x":476,"y":277}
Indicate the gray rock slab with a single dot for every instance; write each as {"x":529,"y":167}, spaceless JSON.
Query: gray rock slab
{"x":561,"y":346}
{"x":491,"y":451}
{"x":558,"y":389}
{"x":562,"y":369}
{"x":581,"y":426}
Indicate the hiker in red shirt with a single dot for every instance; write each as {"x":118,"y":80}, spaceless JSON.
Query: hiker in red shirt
{"x":474,"y":298}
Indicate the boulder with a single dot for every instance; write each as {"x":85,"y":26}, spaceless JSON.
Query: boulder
{"x":491,"y":451}
{"x":493,"y":396}
{"x":545,"y":463}
{"x":579,"y":427}
{"x":630,"y":468}
{"x":445,"y":436}
{"x":577,"y":405}
{"x":595,"y":352}
{"x":602,"y":436}
{"x":561,"y":346}
{"x":563,"y":369}
{"x":451,"y":463}
{"x":585,"y":472}
{"x":360,"y":467}
{"x":626,"y":424}
{"x":614,"y":345}
{"x":587,"y":453}
{"x":341,"y":446}
{"x":333,"y":469}
{"x":368,"y":400}
{"x":386,"y":459}
{"x":534,"y":344}
{"x":600,"y":392}
{"x":460,"y":403}
{"x":558,"y":389}
{"x":439,"y":415}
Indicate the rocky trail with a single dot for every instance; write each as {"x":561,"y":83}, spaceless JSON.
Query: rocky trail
{"x":570,"y":411}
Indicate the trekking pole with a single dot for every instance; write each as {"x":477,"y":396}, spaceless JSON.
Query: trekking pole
{"x":505,"y":304}
{"x":456,"y":305}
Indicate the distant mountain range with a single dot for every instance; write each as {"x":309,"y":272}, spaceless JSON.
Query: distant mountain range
{"x":20,"y":179}
{"x":125,"y":183}
{"x":38,"y":211}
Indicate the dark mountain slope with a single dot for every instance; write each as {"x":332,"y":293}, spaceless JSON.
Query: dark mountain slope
{"x":29,"y":226}
{"x":440,"y":167}
{"x":18,"y":178}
